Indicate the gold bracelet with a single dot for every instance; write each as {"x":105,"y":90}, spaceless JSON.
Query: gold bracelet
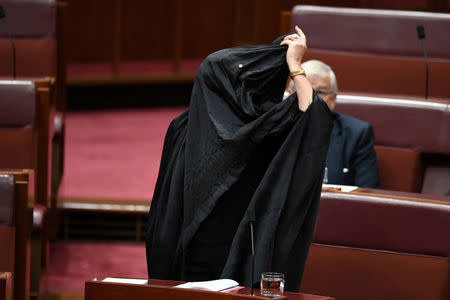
{"x":297,"y":72}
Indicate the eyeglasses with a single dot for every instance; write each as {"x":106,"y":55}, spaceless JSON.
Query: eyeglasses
{"x":323,"y":94}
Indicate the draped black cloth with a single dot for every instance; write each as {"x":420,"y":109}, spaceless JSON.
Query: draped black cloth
{"x":239,"y":153}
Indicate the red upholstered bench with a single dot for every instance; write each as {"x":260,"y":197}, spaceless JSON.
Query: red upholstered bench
{"x":38,"y":30}
{"x":24,"y":146}
{"x":33,"y":25}
{"x":379,"y":247}
{"x":377,"y":51}
{"x":411,"y":140}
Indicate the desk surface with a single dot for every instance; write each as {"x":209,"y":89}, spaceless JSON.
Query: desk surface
{"x":168,"y":283}
{"x":388,"y":194}
{"x":246,"y":291}
{"x":403,"y":195}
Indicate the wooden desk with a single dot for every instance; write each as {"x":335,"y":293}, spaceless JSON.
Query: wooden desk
{"x":162,"y":289}
{"x":403,"y":195}
{"x":378,"y":193}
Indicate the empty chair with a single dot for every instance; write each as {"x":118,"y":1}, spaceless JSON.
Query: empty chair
{"x":380,"y":247}
{"x":378,"y":51}
{"x":24,"y":145}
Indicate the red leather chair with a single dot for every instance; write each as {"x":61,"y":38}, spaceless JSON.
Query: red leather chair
{"x":378,"y":51}
{"x":369,"y":246}
{"x":24,"y":119}
{"x":38,"y":29}
{"x":411,"y":140}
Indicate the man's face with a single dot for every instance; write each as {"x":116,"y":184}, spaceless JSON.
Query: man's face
{"x":322,"y":86}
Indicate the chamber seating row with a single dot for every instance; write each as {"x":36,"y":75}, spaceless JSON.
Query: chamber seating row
{"x":377,"y":51}
{"x":38,"y":31}
{"x":412,"y":140}
{"x":385,"y":246}
{"x":117,"y":47}
{"x":25,"y":136}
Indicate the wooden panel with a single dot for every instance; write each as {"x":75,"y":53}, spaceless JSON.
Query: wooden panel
{"x":101,"y":290}
{"x":17,"y":149}
{"x":45,"y":90}
{"x":90,"y":30}
{"x":244,"y":22}
{"x":267,"y":20}
{"x":163,"y":290}
{"x":148,"y":29}
{"x":7,"y":234}
{"x":208,"y":25}
{"x":400,"y":169}
{"x":23,"y":219}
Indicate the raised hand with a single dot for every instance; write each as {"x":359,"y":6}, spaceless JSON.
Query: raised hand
{"x":296,"y":49}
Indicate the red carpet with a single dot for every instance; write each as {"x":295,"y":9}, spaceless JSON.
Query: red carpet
{"x":113,"y":155}
{"x":72,"y":263}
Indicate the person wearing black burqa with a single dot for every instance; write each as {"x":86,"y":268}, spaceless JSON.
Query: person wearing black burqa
{"x":241,"y":153}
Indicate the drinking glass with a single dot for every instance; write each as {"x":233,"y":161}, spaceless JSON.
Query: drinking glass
{"x":325,"y":176}
{"x":272,"y":284}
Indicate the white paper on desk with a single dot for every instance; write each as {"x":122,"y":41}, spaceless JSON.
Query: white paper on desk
{"x":344,"y":188}
{"x":125,"y":280}
{"x":212,"y":285}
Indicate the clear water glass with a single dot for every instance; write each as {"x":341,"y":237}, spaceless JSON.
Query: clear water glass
{"x":325,"y":176}
{"x":272,"y":284}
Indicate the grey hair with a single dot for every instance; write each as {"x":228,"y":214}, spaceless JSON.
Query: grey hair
{"x":316,"y":69}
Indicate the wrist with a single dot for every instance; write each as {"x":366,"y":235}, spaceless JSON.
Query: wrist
{"x":299,"y":71}
{"x":295,"y":67}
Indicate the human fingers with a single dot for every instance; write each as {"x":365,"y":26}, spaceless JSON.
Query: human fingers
{"x":300,"y":32}
{"x":286,"y":42}
{"x":290,"y":37}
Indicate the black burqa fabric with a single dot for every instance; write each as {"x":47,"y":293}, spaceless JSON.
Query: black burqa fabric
{"x":239,"y":153}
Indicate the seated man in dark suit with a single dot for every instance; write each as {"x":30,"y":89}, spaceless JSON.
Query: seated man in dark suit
{"x":351,"y":158}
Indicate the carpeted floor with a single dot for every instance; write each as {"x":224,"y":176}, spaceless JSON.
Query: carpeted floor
{"x":72,"y":263}
{"x":113,"y":155}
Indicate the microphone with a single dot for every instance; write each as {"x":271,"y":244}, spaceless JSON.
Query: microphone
{"x":252,"y":223}
{"x":421,"y":36}
{"x":3,"y":17}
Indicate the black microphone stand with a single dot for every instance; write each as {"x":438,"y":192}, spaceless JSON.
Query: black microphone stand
{"x":421,"y":36}
{"x":426,"y":67}
{"x":253,"y":255}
